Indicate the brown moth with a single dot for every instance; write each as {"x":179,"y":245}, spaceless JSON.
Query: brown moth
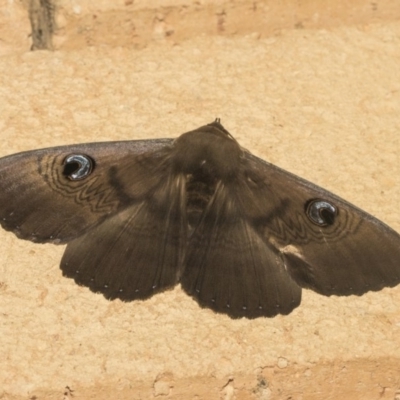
{"x":240,"y":235}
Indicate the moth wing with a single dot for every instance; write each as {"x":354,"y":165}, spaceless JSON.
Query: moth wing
{"x":39,"y":202}
{"x":230,"y":269}
{"x":352,"y":255}
{"x":136,"y":252}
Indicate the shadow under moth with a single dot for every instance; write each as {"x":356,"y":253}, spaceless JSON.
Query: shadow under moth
{"x":241,"y":236}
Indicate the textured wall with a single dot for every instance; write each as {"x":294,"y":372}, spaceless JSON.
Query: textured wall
{"x":81,"y":23}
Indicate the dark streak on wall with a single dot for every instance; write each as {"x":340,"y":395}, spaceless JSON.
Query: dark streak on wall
{"x":41,"y":16}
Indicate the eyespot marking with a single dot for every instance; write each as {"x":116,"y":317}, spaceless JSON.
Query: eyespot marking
{"x":321,"y":212}
{"x":78,"y":166}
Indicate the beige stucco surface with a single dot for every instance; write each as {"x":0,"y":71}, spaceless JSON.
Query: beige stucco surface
{"x":322,"y":103}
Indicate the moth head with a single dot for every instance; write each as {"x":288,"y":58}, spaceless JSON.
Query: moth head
{"x":78,"y":166}
{"x":321,"y":212}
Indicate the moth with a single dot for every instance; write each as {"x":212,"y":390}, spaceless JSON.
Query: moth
{"x":241,"y":236}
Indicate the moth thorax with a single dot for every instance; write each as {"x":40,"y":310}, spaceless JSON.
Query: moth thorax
{"x":207,"y":153}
